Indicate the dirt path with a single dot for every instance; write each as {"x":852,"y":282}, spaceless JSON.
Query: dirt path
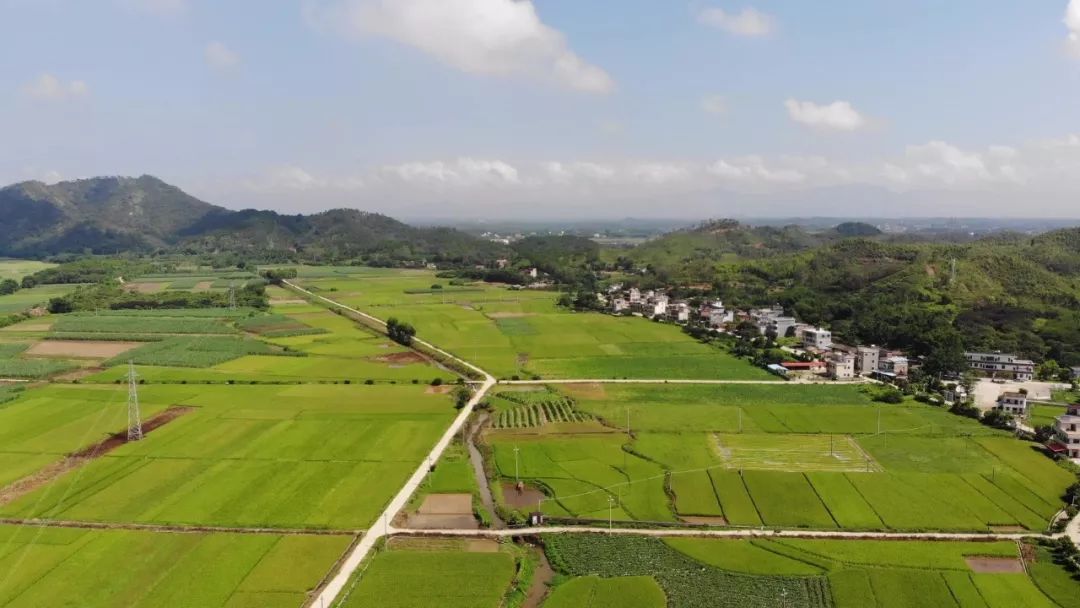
{"x":73,"y":461}
{"x":477,"y":460}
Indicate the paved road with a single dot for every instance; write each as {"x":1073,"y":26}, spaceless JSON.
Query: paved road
{"x":334,"y":588}
{"x":625,"y":381}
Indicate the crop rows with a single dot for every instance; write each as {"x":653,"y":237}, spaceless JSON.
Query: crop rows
{"x":140,"y":325}
{"x":686,"y":582}
{"x":197,"y":352}
{"x":538,"y":414}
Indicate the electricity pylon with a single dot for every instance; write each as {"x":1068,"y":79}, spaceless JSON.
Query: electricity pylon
{"x":135,"y":432}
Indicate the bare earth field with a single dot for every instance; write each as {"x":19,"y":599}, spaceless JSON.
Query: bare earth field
{"x":80,"y":349}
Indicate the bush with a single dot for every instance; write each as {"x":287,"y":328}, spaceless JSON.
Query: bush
{"x":369,"y":381}
{"x":436,"y":382}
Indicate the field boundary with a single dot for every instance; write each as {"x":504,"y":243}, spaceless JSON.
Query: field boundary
{"x":173,"y":528}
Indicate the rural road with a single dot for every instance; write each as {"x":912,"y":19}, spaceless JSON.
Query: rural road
{"x":635,"y":381}
{"x":381,"y":528}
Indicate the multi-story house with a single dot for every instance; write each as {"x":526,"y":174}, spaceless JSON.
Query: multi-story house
{"x":841,"y":366}
{"x":1015,"y":404}
{"x":1001,"y":365}
{"x":896,"y":366}
{"x":1066,"y":440}
{"x":818,"y":338}
{"x":867,"y":359}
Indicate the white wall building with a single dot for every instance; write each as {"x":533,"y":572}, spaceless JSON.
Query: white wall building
{"x":1067,"y":434}
{"x":841,"y":366}
{"x":1015,"y":404}
{"x":818,"y":338}
{"x":1001,"y":365}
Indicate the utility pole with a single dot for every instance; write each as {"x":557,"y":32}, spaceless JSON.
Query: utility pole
{"x":831,"y":451}
{"x":879,"y":421}
{"x":517,"y":470}
{"x":135,"y":432}
{"x":610,"y":506}
{"x":232,"y":296}
{"x":628,"y":422}
{"x":740,"y":420}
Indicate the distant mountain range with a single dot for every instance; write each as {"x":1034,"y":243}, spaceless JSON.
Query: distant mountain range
{"x":117,"y":214}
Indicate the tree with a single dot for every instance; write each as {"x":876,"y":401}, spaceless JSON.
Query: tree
{"x":399,"y":332}
{"x":59,"y":306}
{"x":461,"y":395}
{"x":998,"y":419}
{"x":8,"y":287}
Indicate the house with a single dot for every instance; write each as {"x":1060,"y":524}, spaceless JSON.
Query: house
{"x":810,"y":367}
{"x":895,"y":366}
{"x":815,"y":337}
{"x":619,"y":305}
{"x":1013,"y":403}
{"x":635,"y":295}
{"x":1066,"y":440}
{"x":680,"y":312}
{"x":867,"y":359}
{"x":955,"y":393}
{"x":659,"y":307}
{"x":1075,"y":373}
{"x":840,"y":366}
{"x":532,"y":273}
{"x":501,"y":264}
{"x":778,"y":369}
{"x":1001,"y":365}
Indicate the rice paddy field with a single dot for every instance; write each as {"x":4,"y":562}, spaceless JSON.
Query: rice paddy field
{"x":25,"y":299}
{"x":780,"y":456}
{"x":305,"y":456}
{"x":522,"y":333}
{"x":692,"y":572}
{"x":108,"y":568}
{"x":411,"y":573}
{"x":17,"y":269}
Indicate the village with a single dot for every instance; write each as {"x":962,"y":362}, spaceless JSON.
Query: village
{"x":1006,"y":383}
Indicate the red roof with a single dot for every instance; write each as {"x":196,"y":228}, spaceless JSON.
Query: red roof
{"x":1057,"y":447}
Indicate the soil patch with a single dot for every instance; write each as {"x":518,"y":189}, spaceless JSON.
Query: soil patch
{"x":704,"y":521}
{"x":419,"y":521}
{"x":442,"y":389}
{"x":144,"y":287}
{"x":80,"y":349}
{"x":510,"y":315}
{"x":403,"y":358}
{"x":447,"y":504}
{"x":588,"y":390}
{"x":526,"y":498}
{"x":482,"y":545}
{"x":203,"y":286}
{"x":78,"y":374}
{"x":287,"y":302}
{"x":73,"y":461}
{"x":31,"y":327}
{"x":996,"y":565}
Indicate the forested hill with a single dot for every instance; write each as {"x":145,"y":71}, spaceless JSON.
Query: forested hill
{"x":122,"y":214}
{"x":1010,"y":293}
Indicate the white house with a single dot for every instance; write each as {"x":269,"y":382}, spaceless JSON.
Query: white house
{"x":818,"y":338}
{"x":1013,"y":403}
{"x":1075,"y":373}
{"x":635,"y":295}
{"x":841,"y":366}
{"x":1066,"y":439}
{"x":868,"y":359}
{"x":1001,"y":365}
{"x":619,"y":305}
{"x":896,"y":366}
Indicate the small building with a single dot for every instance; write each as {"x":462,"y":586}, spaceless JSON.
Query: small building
{"x":1001,"y":365}
{"x":635,"y":295}
{"x":955,"y":393}
{"x":619,"y":305}
{"x":840,"y":366}
{"x":777,"y":369}
{"x":809,"y":367}
{"x":895,"y":366}
{"x":680,"y":312}
{"x":1075,"y":373}
{"x":818,"y":338}
{"x":532,"y":273}
{"x":1066,"y":440}
{"x":867,"y":359}
{"x":1012,"y":403}
{"x":502,"y":264}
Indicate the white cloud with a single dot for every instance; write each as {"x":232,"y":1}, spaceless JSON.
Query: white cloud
{"x":838,"y":115}
{"x":221,"y":57}
{"x":164,"y":8}
{"x":749,"y":22}
{"x":487,"y":37}
{"x":292,"y":179}
{"x":714,"y":104}
{"x":754,"y":169}
{"x":462,"y":172}
{"x":50,"y":88}
{"x":1072,"y":21}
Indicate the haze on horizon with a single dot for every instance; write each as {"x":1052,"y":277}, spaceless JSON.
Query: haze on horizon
{"x":556,"y":108}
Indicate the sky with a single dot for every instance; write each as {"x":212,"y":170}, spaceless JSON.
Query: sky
{"x":556,"y":108}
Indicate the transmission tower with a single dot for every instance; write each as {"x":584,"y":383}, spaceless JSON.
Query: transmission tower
{"x":232,"y":296}
{"x":952,"y":272}
{"x":135,"y":432}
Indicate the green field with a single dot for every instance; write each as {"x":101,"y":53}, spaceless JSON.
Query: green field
{"x":436,"y":573}
{"x":807,"y":457}
{"x":715,"y":573}
{"x":17,"y":269}
{"x":304,"y":456}
{"x":28,"y":298}
{"x":104,"y":569}
{"x":596,"y":592}
{"x":522,"y":332}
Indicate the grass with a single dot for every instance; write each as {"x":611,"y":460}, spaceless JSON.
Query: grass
{"x":17,"y":269}
{"x":418,"y":577}
{"x":140,"y":324}
{"x":200,"y":351}
{"x":25,"y":299}
{"x":308,"y":456}
{"x":596,"y":592}
{"x":95,"y":569}
{"x":793,"y":453}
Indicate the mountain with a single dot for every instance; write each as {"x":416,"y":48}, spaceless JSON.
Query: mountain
{"x":116,"y":214}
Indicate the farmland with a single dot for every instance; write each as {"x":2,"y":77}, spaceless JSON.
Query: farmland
{"x":306,"y":456}
{"x":28,"y":298}
{"x":17,"y":269}
{"x":522,"y":332}
{"x":761,"y":572}
{"x":456,"y":574}
{"x":787,"y":456}
{"x":95,"y":569}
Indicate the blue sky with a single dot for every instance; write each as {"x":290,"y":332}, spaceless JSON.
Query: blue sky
{"x":555,"y":107}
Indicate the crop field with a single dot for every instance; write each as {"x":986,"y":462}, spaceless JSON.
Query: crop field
{"x":25,"y":299}
{"x":522,"y":333}
{"x":278,"y":326}
{"x":536,"y":408}
{"x":140,"y":324}
{"x":96,"y":569}
{"x":765,"y":572}
{"x":620,"y":592}
{"x":812,"y":460}
{"x":199,"y":351}
{"x":17,"y":269}
{"x":14,"y":365}
{"x":304,"y":456}
{"x":450,"y":574}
